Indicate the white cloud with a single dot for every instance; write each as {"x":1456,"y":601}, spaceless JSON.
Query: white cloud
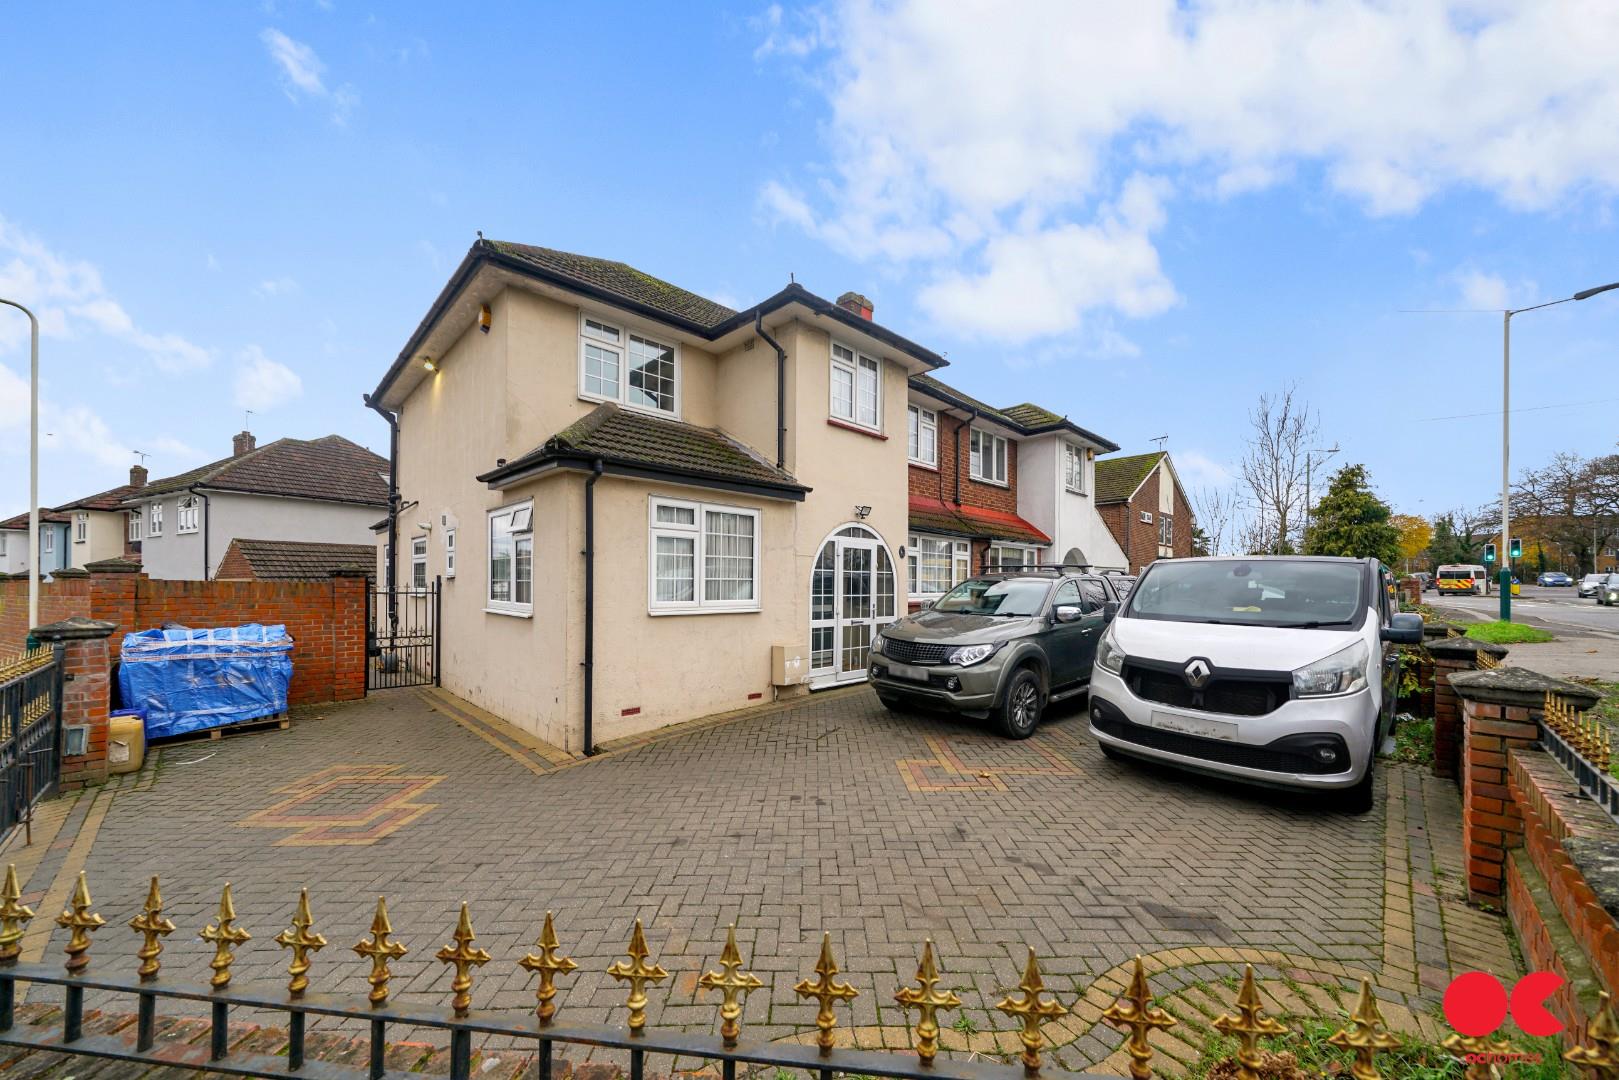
{"x":77,"y":429}
{"x":70,"y":299}
{"x":302,"y":75}
{"x":796,"y":33}
{"x":1491,"y":291}
{"x":960,"y":136}
{"x":263,"y":384}
{"x":1198,"y":470}
{"x":281,"y":286}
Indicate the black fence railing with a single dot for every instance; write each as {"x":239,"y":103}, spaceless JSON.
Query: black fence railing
{"x":30,"y":732}
{"x":1583,"y":745}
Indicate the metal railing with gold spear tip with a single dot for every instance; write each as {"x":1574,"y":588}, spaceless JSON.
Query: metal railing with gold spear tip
{"x":1583,"y":745}
{"x":1033,"y":1006}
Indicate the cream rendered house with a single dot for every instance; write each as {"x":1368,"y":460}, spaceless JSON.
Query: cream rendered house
{"x":645,"y":507}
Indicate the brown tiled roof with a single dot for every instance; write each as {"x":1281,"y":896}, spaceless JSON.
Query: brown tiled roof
{"x":1117,"y":478}
{"x":329,"y":469}
{"x":622,"y":279}
{"x":20,"y":522}
{"x":111,"y":499}
{"x":293,"y":560}
{"x":945,"y":392}
{"x":1027,"y":418}
{"x":630,"y":438}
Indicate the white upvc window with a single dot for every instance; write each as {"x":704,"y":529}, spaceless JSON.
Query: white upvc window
{"x":701,"y":557}
{"x":922,"y":436}
{"x":1146,"y":517}
{"x":1166,"y":530}
{"x":154,"y":519}
{"x":1000,"y":555}
{"x":857,"y":387}
{"x":134,"y":526}
{"x":936,"y":564}
{"x":623,"y":365}
{"x":1073,"y":472}
{"x":418,"y":562}
{"x":185,"y":515}
{"x":2,"y":543}
{"x":987,"y":458}
{"x":449,"y":553}
{"x":511,"y":560}
{"x":81,"y":528}
{"x":47,"y":541}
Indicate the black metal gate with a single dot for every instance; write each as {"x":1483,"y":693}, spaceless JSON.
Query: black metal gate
{"x":30,"y":732}
{"x":402,"y":636}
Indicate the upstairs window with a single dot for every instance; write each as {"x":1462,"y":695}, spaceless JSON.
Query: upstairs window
{"x":134,"y":526}
{"x":987,"y":460}
{"x":511,"y":560}
{"x":47,"y":540}
{"x":185,"y":517}
{"x":617,"y":364}
{"x":922,"y":436}
{"x":154,"y":519}
{"x":1166,"y":530}
{"x":81,"y":527}
{"x":1073,"y":473}
{"x":1146,"y":517}
{"x":856,"y":387}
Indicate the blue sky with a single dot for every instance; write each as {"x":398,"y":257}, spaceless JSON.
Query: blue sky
{"x":1140,"y":215}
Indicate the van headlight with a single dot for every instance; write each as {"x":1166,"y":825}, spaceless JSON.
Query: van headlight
{"x":1344,"y":672}
{"x":1109,"y":657}
{"x":968,"y":655}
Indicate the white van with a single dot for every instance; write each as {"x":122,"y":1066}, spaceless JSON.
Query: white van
{"x":1280,"y":670}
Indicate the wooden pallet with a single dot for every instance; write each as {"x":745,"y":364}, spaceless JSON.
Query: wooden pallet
{"x":264,"y":723}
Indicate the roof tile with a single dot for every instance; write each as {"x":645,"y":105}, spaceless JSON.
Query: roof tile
{"x":1117,"y":478}
{"x":292,"y":560}
{"x":330,"y":468}
{"x":623,"y":279}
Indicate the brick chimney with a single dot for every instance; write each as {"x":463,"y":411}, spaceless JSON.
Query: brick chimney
{"x":137,"y":476}
{"x":242,"y":443}
{"x":853,"y":301}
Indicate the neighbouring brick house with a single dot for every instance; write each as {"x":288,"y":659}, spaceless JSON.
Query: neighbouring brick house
{"x":1145,"y":508}
{"x":992,"y":487}
{"x":292,"y":560}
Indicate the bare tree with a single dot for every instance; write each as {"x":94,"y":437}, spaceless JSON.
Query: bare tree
{"x":1274,"y":471}
{"x":1571,"y":502}
{"x":1215,"y":510}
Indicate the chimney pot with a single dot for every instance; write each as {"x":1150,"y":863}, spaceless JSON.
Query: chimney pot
{"x":137,"y":476}
{"x":242,"y":443}
{"x":855,"y":302}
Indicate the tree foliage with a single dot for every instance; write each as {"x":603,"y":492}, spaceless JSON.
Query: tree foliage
{"x":1351,"y":520}
{"x":1571,"y":505}
{"x":1416,"y":533}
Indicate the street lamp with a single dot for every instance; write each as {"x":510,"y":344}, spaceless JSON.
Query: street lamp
{"x":1506,"y":437}
{"x":33,"y":461}
{"x":1309,"y":490}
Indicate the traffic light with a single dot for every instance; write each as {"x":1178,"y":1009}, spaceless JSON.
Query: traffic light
{"x":1516,"y":550}
{"x":1489,"y":553}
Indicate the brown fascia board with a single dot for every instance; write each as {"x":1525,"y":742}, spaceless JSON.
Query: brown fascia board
{"x":482,"y":253}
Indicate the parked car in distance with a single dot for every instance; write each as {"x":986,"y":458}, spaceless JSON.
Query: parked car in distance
{"x":1589,"y":583}
{"x":1122,"y":584}
{"x":1003,"y":645}
{"x":1279,"y":670}
{"x":1426,"y":579}
{"x":1554,"y":579}
{"x":1608,"y":590}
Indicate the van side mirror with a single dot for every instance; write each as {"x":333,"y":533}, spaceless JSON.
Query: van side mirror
{"x":1110,"y":609}
{"x":1404,"y":629}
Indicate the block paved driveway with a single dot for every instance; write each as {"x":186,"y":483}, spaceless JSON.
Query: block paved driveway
{"x":830,"y":815}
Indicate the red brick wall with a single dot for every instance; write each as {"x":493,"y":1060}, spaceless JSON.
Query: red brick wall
{"x":234,"y":566}
{"x":940,"y":483}
{"x":85,"y":695}
{"x":58,"y":600}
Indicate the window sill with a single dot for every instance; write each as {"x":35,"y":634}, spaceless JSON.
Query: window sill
{"x":1075,"y":491}
{"x":661,"y":612}
{"x":991,"y":483}
{"x":858,"y":429}
{"x":930,"y":466}
{"x":647,"y":409}
{"x":509,"y":612}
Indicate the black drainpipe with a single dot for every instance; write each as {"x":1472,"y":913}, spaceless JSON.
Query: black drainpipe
{"x":781,"y":388}
{"x":972,"y":414}
{"x":206,"y":524}
{"x":393,"y":490}
{"x":590,"y":605}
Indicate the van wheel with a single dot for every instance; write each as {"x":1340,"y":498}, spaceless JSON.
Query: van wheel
{"x":1110,"y":752}
{"x":1359,"y":799}
{"x":1021,"y":705}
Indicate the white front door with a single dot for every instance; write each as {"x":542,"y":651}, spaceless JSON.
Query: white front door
{"x":851,"y":598}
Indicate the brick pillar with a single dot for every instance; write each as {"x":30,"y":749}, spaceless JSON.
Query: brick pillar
{"x":1501,"y":711}
{"x":112,"y":596}
{"x":1453,"y":656}
{"x":86,"y":686}
{"x":350,"y":595}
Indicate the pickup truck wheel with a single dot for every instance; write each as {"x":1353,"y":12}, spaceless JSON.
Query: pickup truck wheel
{"x":1021,"y":705}
{"x":892,"y":704}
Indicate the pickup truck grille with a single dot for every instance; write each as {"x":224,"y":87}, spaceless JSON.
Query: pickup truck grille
{"x":1233,"y":696}
{"x":915,"y":652}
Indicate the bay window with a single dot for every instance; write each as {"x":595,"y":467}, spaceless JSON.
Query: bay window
{"x":856,"y":387}
{"x":922,"y":436}
{"x":511,"y":560}
{"x":987,"y":458}
{"x":936,"y":564}
{"x":619,"y":364}
{"x":701,"y":557}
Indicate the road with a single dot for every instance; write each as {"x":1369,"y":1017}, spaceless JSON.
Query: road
{"x":1557,"y":609}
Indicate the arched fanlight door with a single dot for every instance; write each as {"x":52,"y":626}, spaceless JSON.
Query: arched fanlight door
{"x":852,"y":596}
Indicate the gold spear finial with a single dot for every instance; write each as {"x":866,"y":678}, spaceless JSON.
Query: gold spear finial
{"x":637,"y":973}
{"x":1135,"y":1013}
{"x":1599,"y":1057}
{"x":302,"y":941}
{"x":380,"y":950}
{"x":825,"y":989}
{"x":1032,"y":1010}
{"x":1476,"y":1052}
{"x":549,"y":965}
{"x":1366,"y":1034}
{"x":225,"y":935}
{"x":734,"y":984}
{"x":1248,"y":1024}
{"x":14,"y":917}
{"x":927,"y":1002}
{"x":464,"y":956}
{"x":151,"y":925}
{"x":78,"y":918}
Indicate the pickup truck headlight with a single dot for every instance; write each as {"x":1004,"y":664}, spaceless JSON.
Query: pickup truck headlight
{"x":1109,"y":657}
{"x":877,"y":645}
{"x":1344,"y":672}
{"x":968,"y":655}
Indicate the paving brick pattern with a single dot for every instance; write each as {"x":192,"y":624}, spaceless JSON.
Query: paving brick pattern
{"x":787,"y":823}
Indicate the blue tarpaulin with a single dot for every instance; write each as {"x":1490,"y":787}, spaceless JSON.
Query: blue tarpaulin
{"x":190,"y":680}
